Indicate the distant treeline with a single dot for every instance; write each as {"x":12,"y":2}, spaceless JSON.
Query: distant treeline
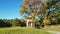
{"x":12,"y":22}
{"x":22,"y":22}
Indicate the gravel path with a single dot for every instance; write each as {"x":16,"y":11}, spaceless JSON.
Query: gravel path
{"x":54,"y":32}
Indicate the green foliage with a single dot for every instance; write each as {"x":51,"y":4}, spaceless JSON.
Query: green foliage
{"x":53,"y":7}
{"x":5,"y":23}
{"x":55,"y":16}
{"x":15,"y":22}
{"x":12,"y":22}
{"x":51,"y":3}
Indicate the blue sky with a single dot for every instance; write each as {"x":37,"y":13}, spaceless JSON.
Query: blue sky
{"x":9,"y":9}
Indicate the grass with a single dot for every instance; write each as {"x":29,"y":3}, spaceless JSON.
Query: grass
{"x":54,"y":28}
{"x":22,"y":30}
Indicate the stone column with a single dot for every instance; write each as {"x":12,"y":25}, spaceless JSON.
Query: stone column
{"x":31,"y":24}
{"x":27,"y":22}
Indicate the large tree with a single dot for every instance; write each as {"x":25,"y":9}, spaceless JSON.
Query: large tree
{"x":38,"y":9}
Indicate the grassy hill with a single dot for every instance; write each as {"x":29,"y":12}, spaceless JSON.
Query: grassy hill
{"x":22,"y":30}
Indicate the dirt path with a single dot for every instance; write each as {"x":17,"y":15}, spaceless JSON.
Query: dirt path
{"x":54,"y":32}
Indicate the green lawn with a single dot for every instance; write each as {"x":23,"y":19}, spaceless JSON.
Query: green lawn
{"x":22,"y":30}
{"x":54,"y":28}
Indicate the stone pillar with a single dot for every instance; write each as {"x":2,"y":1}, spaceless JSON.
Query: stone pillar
{"x":27,"y":23}
{"x":31,"y":25}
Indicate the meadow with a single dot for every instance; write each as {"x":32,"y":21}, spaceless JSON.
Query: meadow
{"x":22,"y":30}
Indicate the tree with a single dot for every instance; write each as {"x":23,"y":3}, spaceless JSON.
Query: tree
{"x":18,"y":22}
{"x":55,"y":17}
{"x":38,"y":9}
{"x":54,"y":9}
{"x":34,"y":8}
{"x":5,"y":23}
